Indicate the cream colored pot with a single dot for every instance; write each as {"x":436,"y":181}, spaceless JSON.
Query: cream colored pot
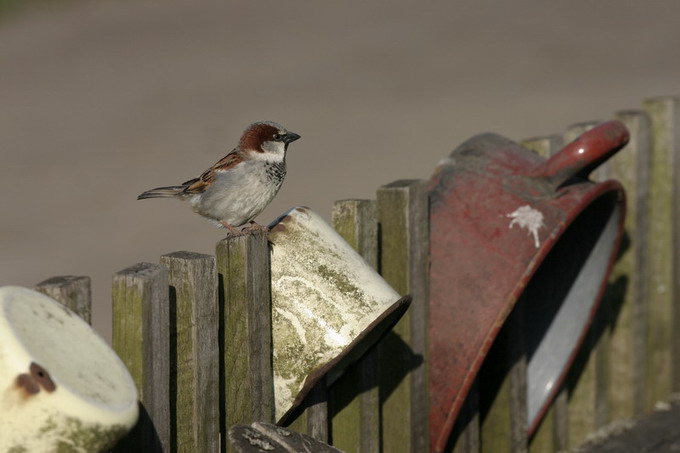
{"x":62,"y":388}
{"x":328,"y":306}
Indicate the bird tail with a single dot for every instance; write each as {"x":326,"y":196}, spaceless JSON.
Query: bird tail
{"x":163,"y":192}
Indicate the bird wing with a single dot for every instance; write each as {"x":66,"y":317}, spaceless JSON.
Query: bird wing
{"x":200,"y":184}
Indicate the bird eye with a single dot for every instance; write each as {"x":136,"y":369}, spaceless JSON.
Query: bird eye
{"x":277,"y":137}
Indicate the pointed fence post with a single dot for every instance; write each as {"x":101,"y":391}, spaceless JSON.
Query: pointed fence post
{"x":663,"y":270}
{"x":403,"y":215}
{"x":551,"y":433}
{"x":503,"y":388}
{"x":355,"y":404}
{"x":312,"y":418}
{"x":74,"y":292}
{"x":631,"y":167}
{"x":245,"y":308}
{"x":465,"y":436}
{"x":317,"y":412}
{"x":584,"y":377}
{"x":194,"y":350}
{"x":141,"y":338}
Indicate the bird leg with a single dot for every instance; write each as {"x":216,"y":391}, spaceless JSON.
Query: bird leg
{"x":233,"y":231}
{"x":249,"y":229}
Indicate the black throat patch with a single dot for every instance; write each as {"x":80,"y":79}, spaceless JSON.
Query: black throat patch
{"x":276,"y":171}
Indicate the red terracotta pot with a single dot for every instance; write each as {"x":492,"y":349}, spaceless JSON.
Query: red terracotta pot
{"x":501,"y":216}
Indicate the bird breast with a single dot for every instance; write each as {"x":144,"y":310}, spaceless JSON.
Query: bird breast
{"x":239,"y":194}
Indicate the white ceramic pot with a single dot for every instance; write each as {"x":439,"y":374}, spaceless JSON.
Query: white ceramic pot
{"x":328,"y":306}
{"x":62,"y":388}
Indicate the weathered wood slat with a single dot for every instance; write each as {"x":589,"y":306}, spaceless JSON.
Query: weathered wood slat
{"x":663,"y":369}
{"x":245,"y":290}
{"x":502,"y":387}
{"x":494,"y":388}
{"x":355,"y":401}
{"x":141,"y":338}
{"x":543,"y":440}
{"x":601,"y":333}
{"x":582,"y":380}
{"x":465,"y":435}
{"x":403,"y":216}
{"x":357,"y":222}
{"x":300,"y":421}
{"x":194,"y":350}
{"x":625,"y":297}
{"x":74,"y":292}
{"x":317,"y":412}
{"x":544,"y":146}
{"x":313,"y":416}
{"x":561,"y":421}
{"x":555,"y":427}
{"x":519,"y":441}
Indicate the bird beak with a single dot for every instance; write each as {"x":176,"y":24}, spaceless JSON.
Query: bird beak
{"x":290,"y":137}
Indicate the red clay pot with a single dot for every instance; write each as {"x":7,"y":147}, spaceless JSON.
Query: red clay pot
{"x":501,"y":216}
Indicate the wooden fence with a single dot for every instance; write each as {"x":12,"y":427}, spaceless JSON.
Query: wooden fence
{"x":195,"y":330}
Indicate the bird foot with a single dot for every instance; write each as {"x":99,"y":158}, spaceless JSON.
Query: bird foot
{"x":255,"y":227}
{"x":232,"y":230}
{"x":250,"y":229}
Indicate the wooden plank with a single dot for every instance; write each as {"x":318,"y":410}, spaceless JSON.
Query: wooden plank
{"x":502,"y":387}
{"x":74,"y":292}
{"x":582,"y":404}
{"x":357,"y":222}
{"x":312,"y":417}
{"x":581,"y":385}
{"x":601,"y":332}
{"x":299,"y":421}
{"x":561,"y":422}
{"x":403,"y":216}
{"x":245,"y":293}
{"x":673,"y":134}
{"x":577,"y":129}
{"x":317,"y":411}
{"x":465,"y":435}
{"x":194,"y":350}
{"x":544,"y":146}
{"x":543,"y":440}
{"x":626,"y":295}
{"x":494,"y":390}
{"x":141,"y":337}
{"x":663,"y":369}
{"x":582,"y":379}
{"x":355,"y":404}
{"x":519,"y":439}
{"x":552,"y":435}
{"x":587,"y":383}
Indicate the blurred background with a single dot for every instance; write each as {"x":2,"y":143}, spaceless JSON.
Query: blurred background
{"x":101,"y":100}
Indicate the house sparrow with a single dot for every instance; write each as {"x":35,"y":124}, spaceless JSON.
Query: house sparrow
{"x":238,"y":187}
